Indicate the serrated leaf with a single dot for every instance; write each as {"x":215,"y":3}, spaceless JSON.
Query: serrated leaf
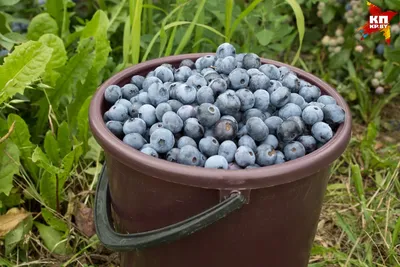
{"x":63,"y":140}
{"x":13,"y":238}
{"x":94,"y":151}
{"x":54,"y":221}
{"x":43,"y":162}
{"x":48,"y":189}
{"x":9,"y":165}
{"x":51,"y":148}
{"x":265,"y":36}
{"x":22,"y":67}
{"x":40,"y":25}
{"x":59,"y":55}
{"x":53,"y":239}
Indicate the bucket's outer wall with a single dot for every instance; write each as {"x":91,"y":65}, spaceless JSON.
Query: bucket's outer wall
{"x":276,"y":228}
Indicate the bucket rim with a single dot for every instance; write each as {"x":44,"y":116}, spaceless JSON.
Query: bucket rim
{"x":215,"y":178}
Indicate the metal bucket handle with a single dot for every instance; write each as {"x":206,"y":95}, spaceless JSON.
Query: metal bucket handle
{"x":125,"y":242}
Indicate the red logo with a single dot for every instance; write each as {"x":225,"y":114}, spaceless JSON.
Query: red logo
{"x":378,"y":22}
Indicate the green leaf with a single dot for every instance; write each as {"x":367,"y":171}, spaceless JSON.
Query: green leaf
{"x":265,"y":36}
{"x":48,"y":189}
{"x":21,"y":137}
{"x":242,"y":15}
{"x":118,"y":16}
{"x":53,"y":239}
{"x":8,"y":2}
{"x":22,"y":67}
{"x":41,"y":24}
{"x":94,"y":151}
{"x":339,"y":60}
{"x":54,"y":221}
{"x":43,"y":162}
{"x":345,"y":227}
{"x":328,"y":14}
{"x":9,"y":165}
{"x":83,"y":124}
{"x":16,"y":236}
{"x":4,"y":27}
{"x":300,"y":26}
{"x":51,"y":148}
{"x":63,"y":139}
{"x":97,"y":28}
{"x":228,"y":18}
{"x":136,"y":15}
{"x":59,"y":55}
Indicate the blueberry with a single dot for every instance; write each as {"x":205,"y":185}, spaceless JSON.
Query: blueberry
{"x":265,"y":155}
{"x":216,"y":162}
{"x":228,"y":103}
{"x":284,"y":71}
{"x":175,"y":104}
{"x":259,"y":81}
{"x":298,"y":100}
{"x":133,"y":110}
{"x":253,"y":72}
{"x":205,"y":62}
{"x":326,"y":100}
{"x":239,"y":78}
{"x":186,"y":94}
{"x":118,"y":112}
{"x":105,"y":117}
{"x":227,"y":149}
{"x":267,"y":115}
{"x":242,"y":131}
{"x":294,"y":150}
{"x":124,"y":102}
{"x":226,"y":50}
{"x":246,"y":98}
{"x":212,"y":75}
{"x":134,"y":125}
{"x":304,"y":83}
{"x":271,"y":140}
{"x":251,"y":61}
{"x":257,"y":129}
{"x":310,"y":93}
{"x":149,"y":151}
{"x":129,"y":91}
{"x":197,"y":81}
{"x":134,"y":140}
{"x":162,"y":140}
{"x":226,"y":79}
{"x":209,"y":146}
{"x":271,"y":71}
{"x":157,"y":93}
{"x":246,"y":140}
{"x":208,"y":70}
{"x":202,"y":161}
{"x":233,"y":166}
{"x":186,"y":141}
{"x":300,"y":123}
{"x":172,"y":122}
{"x":280,"y":97}
{"x":225,"y":65}
{"x":182,"y":74}
{"x":155,"y":126}
{"x":188,"y":63}
{"x":142,"y":98}
{"x":244,"y":156}
{"x":253,"y":112}
{"x":150,"y":74}
{"x":138,"y":81}
{"x":274,"y":85}
{"x":186,"y":112}
{"x":288,"y":131}
{"x":161,"y":109}
{"x":322,"y":132}
{"x":280,"y":157}
{"x":189,"y":155}
{"x":172,"y":155}
{"x":4,"y":52}
{"x":169,"y":66}
{"x":233,"y":120}
{"x":261,"y":98}
{"x":312,"y":115}
{"x":112,"y":94}
{"x":289,"y":110}
{"x":218,"y":86}
{"x":115,"y":127}
{"x":291,"y":81}
{"x":149,"y":81}
{"x":164,"y":74}
{"x":333,"y":114}
{"x":380,"y":49}
{"x":205,"y":95}
{"x":224,"y":130}
{"x":193,"y":129}
{"x":309,"y":143}
{"x":318,"y":104}
{"x":239,"y":59}
{"x":208,"y":114}
{"x":148,"y":114}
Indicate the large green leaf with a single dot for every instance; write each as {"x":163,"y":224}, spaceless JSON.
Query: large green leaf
{"x":54,"y":221}
{"x":63,"y":139}
{"x":16,"y":236}
{"x":59,"y":55}
{"x":9,"y":165}
{"x":51,"y":148}
{"x":53,"y":239}
{"x":23,"y":66}
{"x":48,"y":189}
{"x":4,"y":27}
{"x":21,"y":137}
{"x":43,"y":162}
{"x":41,"y":24}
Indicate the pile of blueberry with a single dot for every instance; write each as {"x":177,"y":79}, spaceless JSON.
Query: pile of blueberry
{"x":226,"y":111}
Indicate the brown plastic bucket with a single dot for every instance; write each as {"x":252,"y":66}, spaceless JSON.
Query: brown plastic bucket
{"x":171,"y":215}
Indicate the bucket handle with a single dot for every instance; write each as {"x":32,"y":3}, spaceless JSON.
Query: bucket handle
{"x":125,"y":242}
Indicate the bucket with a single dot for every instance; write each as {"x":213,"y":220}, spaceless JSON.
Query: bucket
{"x":163,"y":214}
